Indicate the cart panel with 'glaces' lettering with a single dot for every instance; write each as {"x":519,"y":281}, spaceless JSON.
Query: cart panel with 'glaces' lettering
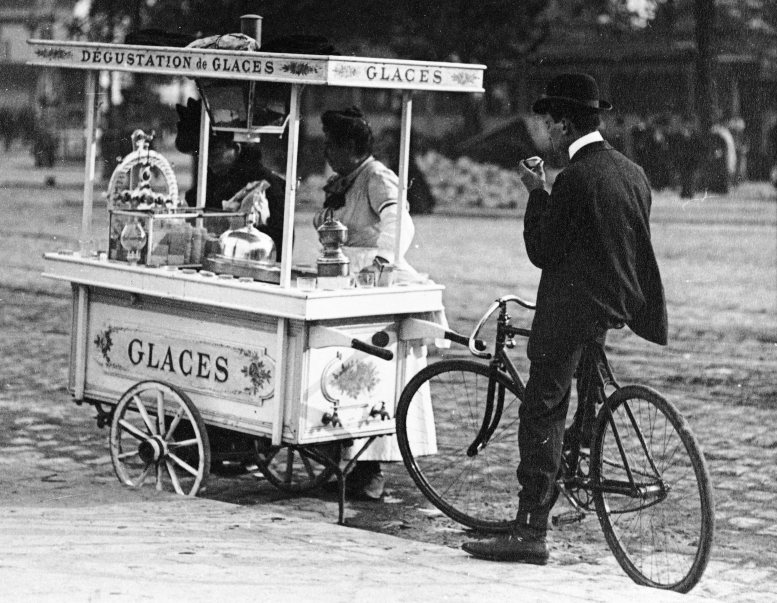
{"x":225,"y":362}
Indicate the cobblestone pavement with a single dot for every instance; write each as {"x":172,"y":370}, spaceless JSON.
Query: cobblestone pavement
{"x":114,"y":544}
{"x":44,"y":430}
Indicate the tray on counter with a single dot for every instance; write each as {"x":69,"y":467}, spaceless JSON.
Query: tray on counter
{"x":266,"y":272}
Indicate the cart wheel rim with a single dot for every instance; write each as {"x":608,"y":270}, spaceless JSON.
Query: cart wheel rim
{"x":158,"y":438}
{"x":294,"y":469}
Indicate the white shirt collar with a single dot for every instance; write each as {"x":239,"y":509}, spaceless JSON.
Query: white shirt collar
{"x":594,"y":136}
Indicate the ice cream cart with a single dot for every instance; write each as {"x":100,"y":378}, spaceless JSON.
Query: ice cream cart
{"x":178,"y":359}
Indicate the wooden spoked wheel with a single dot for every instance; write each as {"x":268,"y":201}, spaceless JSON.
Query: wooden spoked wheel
{"x":158,"y":437}
{"x":294,"y":468}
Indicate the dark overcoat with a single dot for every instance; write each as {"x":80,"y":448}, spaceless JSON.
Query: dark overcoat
{"x":591,"y":238}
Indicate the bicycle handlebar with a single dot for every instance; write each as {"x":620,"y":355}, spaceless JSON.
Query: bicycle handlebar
{"x":473,"y":348}
{"x":456,"y":338}
{"x":518,"y":300}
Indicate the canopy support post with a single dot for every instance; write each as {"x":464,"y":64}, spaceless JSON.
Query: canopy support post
{"x":404,"y":160}
{"x":279,"y":395}
{"x":291,"y":185}
{"x":202,"y":158}
{"x":86,"y":244}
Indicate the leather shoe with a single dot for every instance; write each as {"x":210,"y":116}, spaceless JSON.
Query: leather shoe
{"x":523,"y":545}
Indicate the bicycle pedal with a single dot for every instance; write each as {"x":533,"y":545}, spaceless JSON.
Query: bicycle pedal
{"x":567,"y":518}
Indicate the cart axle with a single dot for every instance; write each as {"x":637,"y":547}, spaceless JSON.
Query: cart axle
{"x":152,"y":450}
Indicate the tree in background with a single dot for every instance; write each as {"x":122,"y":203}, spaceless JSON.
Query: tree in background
{"x":490,"y":31}
{"x":110,"y":21}
{"x":493,"y":32}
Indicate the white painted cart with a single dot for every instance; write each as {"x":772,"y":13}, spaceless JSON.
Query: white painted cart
{"x":184,"y":361}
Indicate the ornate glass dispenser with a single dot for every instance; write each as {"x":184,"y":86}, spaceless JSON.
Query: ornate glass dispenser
{"x":133,"y":239}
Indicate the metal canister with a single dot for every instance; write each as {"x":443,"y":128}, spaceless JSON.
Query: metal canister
{"x":332,"y":234}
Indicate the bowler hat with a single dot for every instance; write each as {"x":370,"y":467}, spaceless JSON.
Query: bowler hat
{"x":571,"y":89}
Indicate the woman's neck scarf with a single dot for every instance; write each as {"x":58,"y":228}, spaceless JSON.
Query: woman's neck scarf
{"x":337,"y":187}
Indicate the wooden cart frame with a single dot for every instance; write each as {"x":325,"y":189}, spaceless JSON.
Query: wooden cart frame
{"x":206,"y":331}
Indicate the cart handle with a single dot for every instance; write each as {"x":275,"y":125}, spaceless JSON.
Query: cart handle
{"x":358,"y":344}
{"x":415,"y":328}
{"x":324,"y":337}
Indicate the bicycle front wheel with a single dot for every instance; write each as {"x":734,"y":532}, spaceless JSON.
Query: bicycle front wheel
{"x":481,"y":490}
{"x":652,"y":490}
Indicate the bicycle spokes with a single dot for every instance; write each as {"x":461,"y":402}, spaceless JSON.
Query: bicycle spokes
{"x":642,"y":483}
{"x":651,"y":490}
{"x":479,"y":490}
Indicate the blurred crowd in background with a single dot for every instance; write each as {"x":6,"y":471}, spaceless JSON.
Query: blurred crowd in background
{"x":669,"y":147}
{"x":674,"y":153}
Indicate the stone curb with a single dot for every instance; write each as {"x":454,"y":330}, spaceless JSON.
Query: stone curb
{"x":164,"y":548}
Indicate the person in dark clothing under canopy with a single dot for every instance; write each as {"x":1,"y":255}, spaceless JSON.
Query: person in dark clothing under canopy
{"x":231,"y":166}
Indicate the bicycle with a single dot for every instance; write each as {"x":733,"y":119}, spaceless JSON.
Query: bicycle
{"x":643,"y":472}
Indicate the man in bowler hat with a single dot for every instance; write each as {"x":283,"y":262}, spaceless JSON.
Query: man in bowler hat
{"x":590,"y":237}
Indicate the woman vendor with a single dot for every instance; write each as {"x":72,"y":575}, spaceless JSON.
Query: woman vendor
{"x":363,"y":194}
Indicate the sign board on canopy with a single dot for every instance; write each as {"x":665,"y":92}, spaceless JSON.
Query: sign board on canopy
{"x":227,"y":64}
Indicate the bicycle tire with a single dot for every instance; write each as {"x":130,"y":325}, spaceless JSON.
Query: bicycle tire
{"x":479,"y":491}
{"x":662,"y":539}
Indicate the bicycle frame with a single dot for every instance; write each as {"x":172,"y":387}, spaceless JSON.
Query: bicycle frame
{"x":499,"y":362}
{"x":656,"y":487}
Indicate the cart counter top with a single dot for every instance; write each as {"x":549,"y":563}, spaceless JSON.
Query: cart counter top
{"x":256,"y":297}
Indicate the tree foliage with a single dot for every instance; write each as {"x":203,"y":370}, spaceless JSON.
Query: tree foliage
{"x":739,"y":18}
{"x":489,"y":30}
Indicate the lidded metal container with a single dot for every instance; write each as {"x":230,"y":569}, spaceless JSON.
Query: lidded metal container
{"x":247,"y":243}
{"x":332,"y":234}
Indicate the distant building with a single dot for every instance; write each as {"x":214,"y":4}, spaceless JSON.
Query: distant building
{"x":654,"y":74}
{"x":56,"y":101}
{"x":21,"y":20}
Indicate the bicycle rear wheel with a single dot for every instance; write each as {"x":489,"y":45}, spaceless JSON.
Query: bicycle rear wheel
{"x":661,"y":534}
{"x":479,"y":491}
